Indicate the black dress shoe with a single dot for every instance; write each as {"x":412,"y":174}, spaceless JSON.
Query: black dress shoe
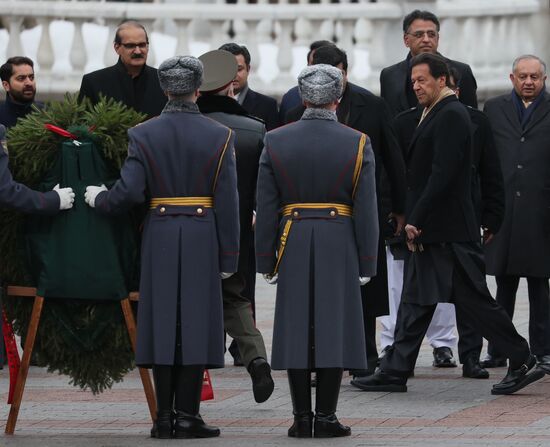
{"x":518,"y":378}
{"x":380,"y":381}
{"x":302,"y":426}
{"x":543,"y":362}
{"x":472,"y":369}
{"x":190,"y":426}
{"x":356,"y":373}
{"x":164,"y":425}
{"x":443,"y":357}
{"x":493,"y":362}
{"x":328,"y":426}
{"x":262,"y":383}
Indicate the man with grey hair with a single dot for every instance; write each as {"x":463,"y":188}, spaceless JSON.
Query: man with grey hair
{"x":317,"y":236}
{"x":183,"y":164}
{"x":520,"y":121}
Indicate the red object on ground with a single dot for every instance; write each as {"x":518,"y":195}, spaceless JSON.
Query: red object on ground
{"x":14,"y":362}
{"x":207,"y":392}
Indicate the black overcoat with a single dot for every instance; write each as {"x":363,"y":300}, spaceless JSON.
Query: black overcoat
{"x":142,"y":93}
{"x":313,"y":160}
{"x":263,"y":107}
{"x":439,"y":203}
{"x":184,"y":248}
{"x":522,"y":246}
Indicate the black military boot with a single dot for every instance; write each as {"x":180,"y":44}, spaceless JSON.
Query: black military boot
{"x":299,"y":381}
{"x":262,"y":382}
{"x":326,"y":423}
{"x":164,"y":387}
{"x":189,"y":423}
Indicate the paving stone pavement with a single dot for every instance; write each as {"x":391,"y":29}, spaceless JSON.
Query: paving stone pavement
{"x":440,"y":409}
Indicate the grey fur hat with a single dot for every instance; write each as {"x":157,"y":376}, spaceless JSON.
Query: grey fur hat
{"x":180,"y":75}
{"x":320,"y":84}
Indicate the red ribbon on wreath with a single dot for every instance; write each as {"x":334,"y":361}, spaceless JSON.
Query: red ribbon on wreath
{"x":14,"y":362}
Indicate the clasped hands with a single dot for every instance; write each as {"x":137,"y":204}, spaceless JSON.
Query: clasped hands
{"x":67,"y":195}
{"x":412,"y":234}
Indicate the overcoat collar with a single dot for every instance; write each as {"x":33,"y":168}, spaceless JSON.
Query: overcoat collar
{"x":511,"y":115}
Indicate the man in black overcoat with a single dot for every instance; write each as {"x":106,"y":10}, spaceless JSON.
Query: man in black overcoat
{"x":445,"y":263}
{"x":219,"y":70}
{"x":521,"y":121}
{"x":420,"y":35}
{"x":488,"y":197}
{"x":130,"y":81}
{"x":367,"y":113}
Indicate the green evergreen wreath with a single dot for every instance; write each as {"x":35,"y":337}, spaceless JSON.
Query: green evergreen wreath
{"x":94,"y":349}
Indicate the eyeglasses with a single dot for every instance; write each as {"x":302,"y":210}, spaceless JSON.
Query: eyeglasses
{"x":420,"y":34}
{"x":133,"y":46}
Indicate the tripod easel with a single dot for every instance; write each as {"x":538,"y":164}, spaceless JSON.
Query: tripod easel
{"x":29,"y":344}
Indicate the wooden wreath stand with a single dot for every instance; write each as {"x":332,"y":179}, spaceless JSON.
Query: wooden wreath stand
{"x":29,"y":344}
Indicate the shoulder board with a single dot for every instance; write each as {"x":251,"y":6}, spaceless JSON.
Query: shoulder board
{"x":255,"y":118}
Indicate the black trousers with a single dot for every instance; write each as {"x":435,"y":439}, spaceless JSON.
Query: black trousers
{"x":481,"y":311}
{"x":539,"y":311}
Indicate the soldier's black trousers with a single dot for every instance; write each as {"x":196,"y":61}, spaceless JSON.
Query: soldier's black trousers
{"x":481,"y":311}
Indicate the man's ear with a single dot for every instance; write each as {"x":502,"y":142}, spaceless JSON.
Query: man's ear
{"x":6,"y":85}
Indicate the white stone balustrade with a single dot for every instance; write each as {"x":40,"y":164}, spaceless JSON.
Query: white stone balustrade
{"x":75,"y":37}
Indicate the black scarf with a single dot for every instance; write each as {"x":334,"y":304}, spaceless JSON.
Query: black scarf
{"x":217,"y":103}
{"x":525,"y":113}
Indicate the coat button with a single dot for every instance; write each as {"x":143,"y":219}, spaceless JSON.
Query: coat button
{"x":199,"y":210}
{"x":295,"y":214}
{"x":518,"y":194}
{"x":522,"y":139}
{"x":333,"y":213}
{"x":162,"y":209}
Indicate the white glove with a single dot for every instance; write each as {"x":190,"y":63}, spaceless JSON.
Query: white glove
{"x":66,"y":197}
{"x":225,"y":275}
{"x":363,"y":280}
{"x":91,"y":193}
{"x":271,"y":279}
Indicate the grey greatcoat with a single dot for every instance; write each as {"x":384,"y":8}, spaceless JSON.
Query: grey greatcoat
{"x":184,"y":248}
{"x":318,"y":298}
{"x":522,"y":246}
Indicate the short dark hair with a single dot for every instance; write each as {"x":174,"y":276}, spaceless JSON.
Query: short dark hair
{"x":331,"y":55}
{"x":6,"y":70}
{"x":455,"y":74}
{"x":437,"y":64}
{"x":419,"y":15}
{"x":316,"y":45}
{"x":236,"y":50}
{"x":129,"y":23}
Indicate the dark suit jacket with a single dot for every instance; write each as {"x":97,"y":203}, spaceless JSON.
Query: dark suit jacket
{"x":142,"y":93}
{"x":393,"y":85}
{"x":263,"y":107}
{"x":439,"y":176}
{"x":487,"y":183}
{"x":521,"y":247}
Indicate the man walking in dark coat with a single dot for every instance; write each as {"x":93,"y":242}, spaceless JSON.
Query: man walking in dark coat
{"x":219,"y":70}
{"x":445,"y":263}
{"x":421,"y":35}
{"x":130,"y":81}
{"x":18,"y":80}
{"x":183,"y":164}
{"x":521,"y":120}
{"x":317,"y":194}
{"x":488,"y":197}
{"x":369,"y":114}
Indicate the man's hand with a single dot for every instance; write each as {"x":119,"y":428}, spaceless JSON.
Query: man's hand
{"x":399,"y":223}
{"x":66,"y":197}
{"x":91,"y":193}
{"x":487,"y":236}
{"x":412,"y":234}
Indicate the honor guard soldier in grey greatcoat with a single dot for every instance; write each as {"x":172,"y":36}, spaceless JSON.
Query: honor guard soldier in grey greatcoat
{"x":183,"y":164}
{"x":317,"y":235}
